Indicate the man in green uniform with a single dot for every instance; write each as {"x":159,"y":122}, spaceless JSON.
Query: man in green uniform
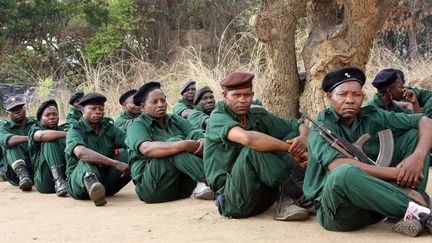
{"x":46,"y":144}
{"x":130,"y":110}
{"x":164,"y":151}
{"x":185,"y":105}
{"x":92,"y":170}
{"x":204,"y":103}
{"x":74,"y":113}
{"x":13,"y":140}
{"x":415,"y":95}
{"x":349,"y":194}
{"x":390,"y":89}
{"x":249,"y":153}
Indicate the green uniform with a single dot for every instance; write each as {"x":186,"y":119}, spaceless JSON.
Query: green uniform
{"x":45,"y":155}
{"x":347,"y":198}
{"x":180,"y":106}
{"x":123,"y":120}
{"x":73,"y":115}
{"x":378,"y":103}
{"x":169,"y":178}
{"x":105,"y":142}
{"x":197,"y":118}
{"x":246,"y":180}
{"x":424,"y":97}
{"x":14,"y":153}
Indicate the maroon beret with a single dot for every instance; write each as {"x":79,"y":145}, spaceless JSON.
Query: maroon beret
{"x":237,"y":80}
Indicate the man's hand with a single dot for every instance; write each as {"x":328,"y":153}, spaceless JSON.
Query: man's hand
{"x":411,"y":172}
{"x":200,"y":148}
{"x":191,"y":146}
{"x":298,"y":146}
{"x":123,"y":168}
{"x":410,"y":95}
{"x":302,"y":160}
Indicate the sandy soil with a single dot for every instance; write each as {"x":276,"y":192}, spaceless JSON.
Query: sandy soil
{"x":36,"y":217}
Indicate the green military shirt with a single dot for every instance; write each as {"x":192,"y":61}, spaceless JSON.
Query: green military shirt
{"x":34,"y":146}
{"x":10,"y":128}
{"x":369,"y":120}
{"x":180,"y":106}
{"x":379,"y":104}
{"x":197,"y":117}
{"x":123,"y":120}
{"x":108,"y":138}
{"x":73,"y":115}
{"x":145,"y":128}
{"x":221,"y":153}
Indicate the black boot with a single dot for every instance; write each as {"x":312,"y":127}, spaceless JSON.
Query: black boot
{"x":59,"y":182}
{"x":95,"y":189}
{"x":25,"y":183}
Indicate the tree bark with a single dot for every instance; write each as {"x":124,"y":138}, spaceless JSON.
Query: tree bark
{"x":335,"y":43}
{"x":275,"y":26}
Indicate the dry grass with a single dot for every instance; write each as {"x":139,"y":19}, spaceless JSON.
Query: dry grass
{"x":243,"y":52}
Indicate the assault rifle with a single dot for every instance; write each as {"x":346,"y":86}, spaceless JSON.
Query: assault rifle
{"x":355,"y":150}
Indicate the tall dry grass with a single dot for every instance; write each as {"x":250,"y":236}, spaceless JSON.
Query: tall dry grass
{"x":243,"y":52}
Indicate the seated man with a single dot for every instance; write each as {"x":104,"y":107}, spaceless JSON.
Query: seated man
{"x":249,"y":153}
{"x":130,"y":110}
{"x":185,"y":105}
{"x":74,"y":113}
{"x":164,"y":151}
{"x":46,"y":144}
{"x":92,"y":170}
{"x":13,"y":140}
{"x":417,"y":96}
{"x":204,"y":103}
{"x":350,"y":195}
{"x":390,"y":89}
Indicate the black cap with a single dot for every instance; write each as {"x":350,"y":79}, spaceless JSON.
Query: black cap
{"x":126,"y":95}
{"x":200,"y":93}
{"x":43,"y":106}
{"x":143,"y":91}
{"x":341,"y":75}
{"x":92,"y":98}
{"x":76,"y":96}
{"x":14,"y":101}
{"x":186,"y":85}
{"x":385,"y":78}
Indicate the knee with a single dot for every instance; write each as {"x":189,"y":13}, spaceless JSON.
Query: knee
{"x":342,"y":174}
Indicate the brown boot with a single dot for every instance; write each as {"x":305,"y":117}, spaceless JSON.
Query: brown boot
{"x":95,"y":189}
{"x":59,"y":182}
{"x":25,"y":183}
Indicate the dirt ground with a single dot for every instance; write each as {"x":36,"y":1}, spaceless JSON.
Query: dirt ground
{"x":36,"y":217}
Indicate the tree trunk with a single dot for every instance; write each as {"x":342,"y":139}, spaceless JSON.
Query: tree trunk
{"x":343,"y":42}
{"x":275,"y":26}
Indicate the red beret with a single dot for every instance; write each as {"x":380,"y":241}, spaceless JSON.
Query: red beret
{"x":237,"y":80}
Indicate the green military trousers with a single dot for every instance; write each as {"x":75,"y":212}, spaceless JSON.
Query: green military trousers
{"x":167,"y":179}
{"x":352,"y":199}
{"x":13,"y":154}
{"x":252,"y":185}
{"x":51,"y":154}
{"x":427,"y":108}
{"x":108,"y":176}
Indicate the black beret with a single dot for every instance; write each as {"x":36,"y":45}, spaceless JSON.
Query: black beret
{"x":200,"y":93}
{"x":186,"y":85}
{"x":126,"y":95}
{"x":237,"y":80}
{"x":384,"y":78}
{"x":43,"y":106}
{"x":341,"y":75}
{"x":14,"y":101}
{"x":144,"y":90}
{"x":92,"y":98}
{"x":76,"y":96}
